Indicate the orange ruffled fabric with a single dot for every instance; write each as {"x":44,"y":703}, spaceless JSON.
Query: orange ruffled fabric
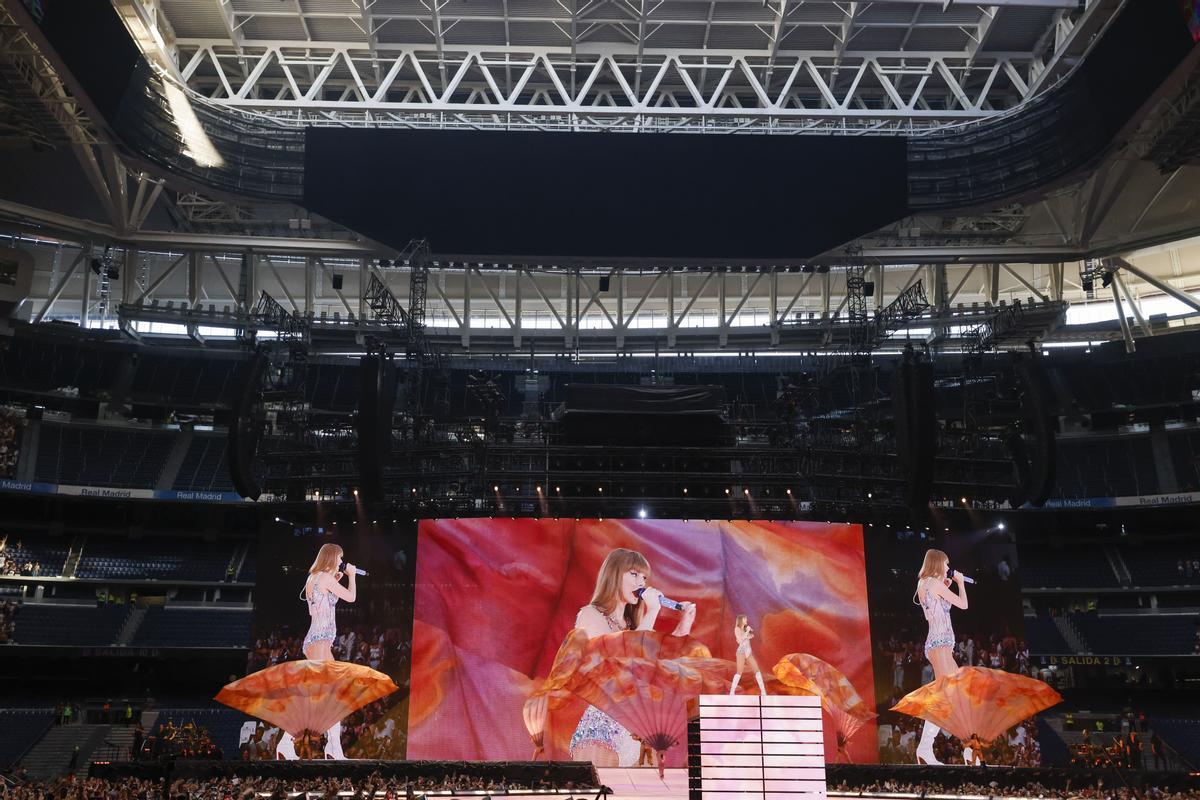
{"x":845,"y":707}
{"x":979,"y":702}
{"x":306,"y":696}
{"x":642,"y":679}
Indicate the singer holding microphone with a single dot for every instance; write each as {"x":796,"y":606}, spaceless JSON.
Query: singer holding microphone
{"x":322,"y":590}
{"x":622,"y":601}
{"x":934,"y":597}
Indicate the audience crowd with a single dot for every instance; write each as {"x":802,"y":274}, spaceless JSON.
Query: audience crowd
{"x":380,"y":786}
{"x":11,"y":423}
{"x":246,"y":788}
{"x":8,"y":620}
{"x":1088,"y":790}
{"x":16,"y":560}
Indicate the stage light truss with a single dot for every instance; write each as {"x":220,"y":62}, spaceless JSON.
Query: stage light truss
{"x":779,"y":66}
{"x":551,"y":89}
{"x":474,"y":309}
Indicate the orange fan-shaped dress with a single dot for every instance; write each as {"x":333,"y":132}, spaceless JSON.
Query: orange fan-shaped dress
{"x":978,"y":702}
{"x":553,"y":693}
{"x":839,"y":698}
{"x":641,"y":679}
{"x":305,"y":698}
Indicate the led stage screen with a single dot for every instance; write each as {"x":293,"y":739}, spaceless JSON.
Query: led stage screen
{"x":495,"y":598}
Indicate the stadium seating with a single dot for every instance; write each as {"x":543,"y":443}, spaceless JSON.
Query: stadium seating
{"x":20,"y":729}
{"x":155,"y":559}
{"x":1137,"y":634}
{"x":69,"y":625}
{"x":165,"y":379}
{"x":194,"y":627}
{"x":1181,"y":734}
{"x":1043,"y":637}
{"x":204,"y":466}
{"x":1185,"y":456}
{"x":51,"y":554}
{"x":102,"y":456}
{"x":1043,"y":566}
{"x":1158,"y":564}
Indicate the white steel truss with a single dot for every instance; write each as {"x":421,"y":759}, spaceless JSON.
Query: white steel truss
{"x":780,"y":66}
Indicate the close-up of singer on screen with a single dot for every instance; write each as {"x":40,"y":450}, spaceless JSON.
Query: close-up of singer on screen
{"x":622,"y":601}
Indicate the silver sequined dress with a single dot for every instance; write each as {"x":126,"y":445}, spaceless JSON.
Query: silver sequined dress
{"x":937,"y":614}
{"x":321,"y":603}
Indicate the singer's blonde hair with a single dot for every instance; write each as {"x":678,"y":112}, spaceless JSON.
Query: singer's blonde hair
{"x":934,"y":565}
{"x":741,"y":623}
{"x":329,"y":557}
{"x":608,"y":584}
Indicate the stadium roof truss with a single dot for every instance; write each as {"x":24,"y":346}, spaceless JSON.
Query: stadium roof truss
{"x":720,"y":66}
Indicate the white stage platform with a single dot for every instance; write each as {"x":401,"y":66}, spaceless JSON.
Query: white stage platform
{"x":643,"y":783}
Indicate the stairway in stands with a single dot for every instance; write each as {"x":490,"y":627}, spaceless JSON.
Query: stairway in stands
{"x":51,"y":756}
{"x":130,"y":628}
{"x":1071,"y":634}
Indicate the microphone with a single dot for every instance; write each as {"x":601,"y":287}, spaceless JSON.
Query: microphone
{"x":674,"y":605}
{"x":362,"y":573}
{"x":951,"y":573}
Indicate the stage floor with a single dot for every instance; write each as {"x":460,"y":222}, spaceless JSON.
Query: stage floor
{"x":643,"y":783}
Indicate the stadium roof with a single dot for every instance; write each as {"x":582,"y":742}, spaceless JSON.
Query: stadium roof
{"x":779,"y":66}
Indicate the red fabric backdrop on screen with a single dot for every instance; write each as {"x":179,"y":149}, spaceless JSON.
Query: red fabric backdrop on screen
{"x":496,"y":597}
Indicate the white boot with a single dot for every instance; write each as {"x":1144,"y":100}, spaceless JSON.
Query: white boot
{"x":761,"y":689}
{"x":925,"y":748}
{"x":734,"y":683}
{"x":333,"y":742}
{"x":286,"y":747}
{"x":968,"y":756}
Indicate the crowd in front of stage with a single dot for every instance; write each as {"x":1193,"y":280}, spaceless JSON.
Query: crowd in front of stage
{"x":378,"y":786}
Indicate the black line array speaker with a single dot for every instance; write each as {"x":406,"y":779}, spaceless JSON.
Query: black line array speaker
{"x":244,"y":431}
{"x":1037,"y":413}
{"x":915,"y":418}
{"x":376,"y":400}
{"x":1014,"y":442}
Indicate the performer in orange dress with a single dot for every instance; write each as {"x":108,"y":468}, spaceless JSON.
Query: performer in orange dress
{"x":934,"y":597}
{"x":321,"y":592}
{"x":622,"y":601}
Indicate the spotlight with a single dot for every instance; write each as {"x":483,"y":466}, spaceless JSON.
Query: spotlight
{"x":1000,"y":526}
{"x":685,"y":490}
{"x":641,"y":513}
{"x":745,"y":491}
{"x":964,"y":501}
{"x":726,"y":491}
{"x":539,"y":489}
{"x":789,"y":491}
{"x":356,"y":492}
{"x":495,"y":488}
{"x":600,"y":489}
{"x":277,"y":519}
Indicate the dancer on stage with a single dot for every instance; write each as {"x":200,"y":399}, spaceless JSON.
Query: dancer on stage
{"x":934,"y":597}
{"x":618,"y":605}
{"x":321,"y":592}
{"x":743,"y":633}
